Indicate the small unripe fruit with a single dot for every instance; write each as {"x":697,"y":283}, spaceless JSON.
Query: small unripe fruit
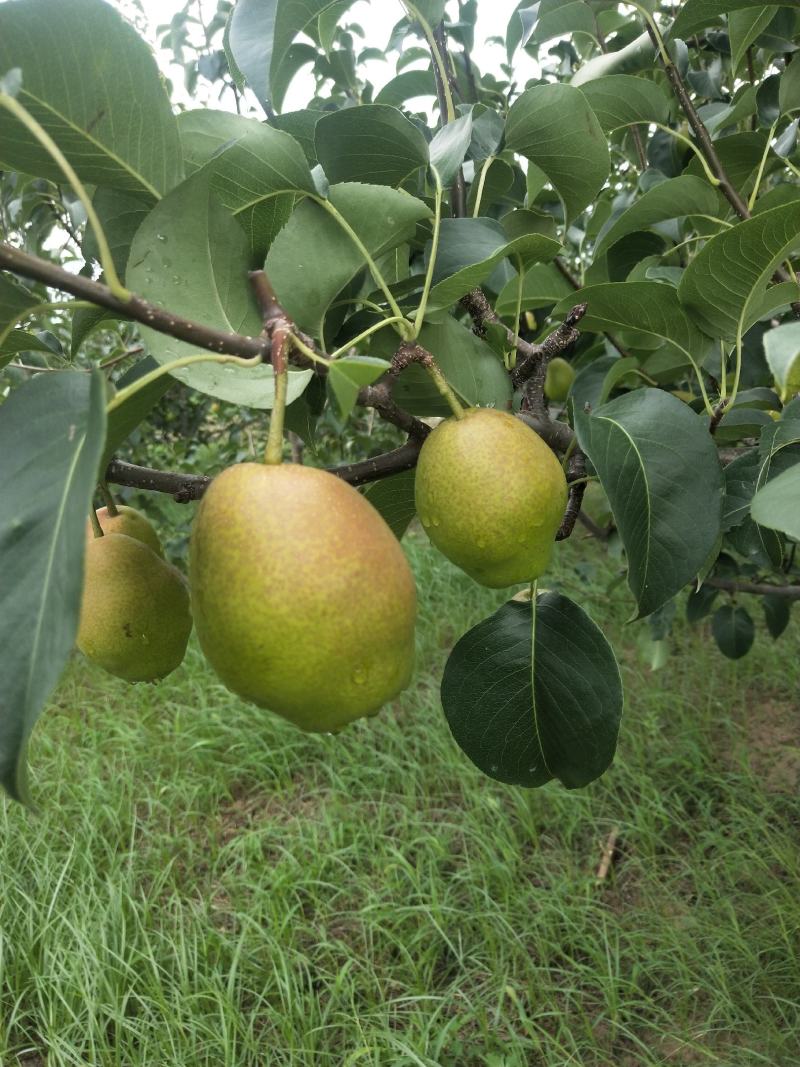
{"x":135,"y":621}
{"x":558,"y":380}
{"x":130,"y":522}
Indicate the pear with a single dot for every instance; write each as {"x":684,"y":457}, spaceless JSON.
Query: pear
{"x":491,"y":496}
{"x":130,"y":522}
{"x":303,"y":599}
{"x":558,"y":379}
{"x":135,"y":620}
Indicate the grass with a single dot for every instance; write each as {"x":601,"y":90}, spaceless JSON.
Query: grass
{"x":204,"y":885}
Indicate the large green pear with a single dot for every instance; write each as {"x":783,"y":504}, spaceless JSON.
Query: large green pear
{"x":135,"y":620}
{"x":303,"y":599}
{"x":491,"y":496}
{"x":130,"y":522}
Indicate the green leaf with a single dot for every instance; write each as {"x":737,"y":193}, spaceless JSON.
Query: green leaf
{"x":93,"y":84}
{"x":313,"y":258}
{"x":726,"y":280}
{"x":192,"y":257}
{"x":301,"y":125}
{"x":255,"y":170}
{"x":407,"y":86}
{"x":124,"y":419}
{"x":51,"y":436}
{"x":85,"y":321}
{"x":259,"y":36}
{"x":347,"y":375}
{"x":743,"y":28}
{"x":21,"y":341}
{"x":542,"y":286}
{"x":733,"y":631}
{"x":777,"y":504}
{"x":449,"y":147}
{"x":651,"y":308}
{"x":374,"y":144}
{"x":782,"y":349}
{"x":120,"y":214}
{"x":467,"y":362}
{"x":789,"y":90}
{"x":622,"y":99}
{"x":777,"y":613}
{"x":555,"y":18}
{"x":700,"y":602}
{"x":470,"y":249}
{"x":697,"y":14}
{"x":393,"y":498}
{"x":531,"y":695}
{"x":672,"y":199}
{"x":659,"y":468}
{"x":740,"y":155}
{"x":639,"y":54}
{"x":15,"y":300}
{"x":542,"y":125}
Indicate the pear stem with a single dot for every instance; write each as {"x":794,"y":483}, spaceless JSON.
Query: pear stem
{"x":281,"y":343}
{"x":98,"y":529}
{"x":111,"y":506}
{"x":440,"y":382}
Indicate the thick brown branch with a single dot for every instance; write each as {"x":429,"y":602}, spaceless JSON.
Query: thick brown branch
{"x":555,"y":343}
{"x":187,"y":487}
{"x":157,"y":318}
{"x":576,"y":479}
{"x":730,"y":585}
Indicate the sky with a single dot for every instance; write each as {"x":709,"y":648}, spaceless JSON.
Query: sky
{"x":377,"y":18}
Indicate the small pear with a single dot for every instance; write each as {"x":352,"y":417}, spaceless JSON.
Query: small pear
{"x":558,"y":380}
{"x":135,"y":621}
{"x":491,"y":495}
{"x":303,"y":599}
{"x":130,"y":522}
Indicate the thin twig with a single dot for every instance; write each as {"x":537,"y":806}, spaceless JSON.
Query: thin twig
{"x":142,"y":311}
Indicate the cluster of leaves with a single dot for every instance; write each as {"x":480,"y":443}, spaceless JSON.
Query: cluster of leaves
{"x":649,"y":171}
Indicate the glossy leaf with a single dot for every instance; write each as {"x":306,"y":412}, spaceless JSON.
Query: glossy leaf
{"x":190,"y":255}
{"x":124,"y":419}
{"x":622,"y":100}
{"x":777,"y":613}
{"x":347,"y":375}
{"x":638,"y":54}
{"x":255,"y":170}
{"x":51,"y":437}
{"x":777,"y":504}
{"x":468,"y":363}
{"x":782,"y":349}
{"x":449,"y":147}
{"x":541,"y":127}
{"x":259,"y":36}
{"x":407,"y":86}
{"x":542,"y":286}
{"x":728,"y":277}
{"x":695,"y":15}
{"x":393,"y":498}
{"x":470,"y":249}
{"x":375,"y":144}
{"x":120,"y":214}
{"x":92,"y":82}
{"x":313,"y":258}
{"x":733,"y":631}
{"x":744,"y":26}
{"x":672,"y":199}
{"x":648,"y":307}
{"x":659,"y":468}
{"x":531,"y":695}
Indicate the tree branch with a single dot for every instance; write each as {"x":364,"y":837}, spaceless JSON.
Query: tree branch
{"x":706,"y":146}
{"x":187,"y":487}
{"x":142,"y":311}
{"x":730,"y":585}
